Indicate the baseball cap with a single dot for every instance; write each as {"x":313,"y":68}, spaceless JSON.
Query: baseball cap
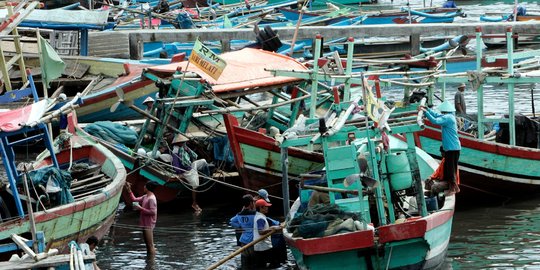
{"x":262,"y":202}
{"x":264,"y":194}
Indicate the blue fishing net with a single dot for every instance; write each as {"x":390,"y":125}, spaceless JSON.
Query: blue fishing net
{"x":60,"y":179}
{"x":112,"y":132}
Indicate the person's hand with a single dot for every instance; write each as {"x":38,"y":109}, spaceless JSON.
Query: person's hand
{"x":422,"y":108}
{"x":127,"y":187}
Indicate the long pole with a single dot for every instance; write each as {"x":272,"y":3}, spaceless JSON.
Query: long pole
{"x":240,"y":250}
{"x":296,"y":30}
{"x":30,"y":212}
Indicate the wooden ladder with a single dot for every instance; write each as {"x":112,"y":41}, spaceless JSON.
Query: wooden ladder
{"x":8,"y":30}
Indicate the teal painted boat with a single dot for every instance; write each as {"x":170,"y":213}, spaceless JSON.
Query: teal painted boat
{"x":89,"y":198}
{"x":491,"y":165}
{"x":375,"y":214}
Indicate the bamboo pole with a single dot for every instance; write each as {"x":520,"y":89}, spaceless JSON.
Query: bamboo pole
{"x":240,"y":250}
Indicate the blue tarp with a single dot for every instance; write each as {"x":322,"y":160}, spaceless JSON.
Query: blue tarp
{"x":112,"y":132}
{"x":61,"y":179}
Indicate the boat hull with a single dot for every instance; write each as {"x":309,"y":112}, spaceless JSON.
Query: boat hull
{"x":76,"y":221}
{"x":258,"y":158}
{"x":418,"y":243}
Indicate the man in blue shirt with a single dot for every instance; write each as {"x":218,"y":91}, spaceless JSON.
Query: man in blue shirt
{"x":449,"y":4}
{"x":243,"y":222}
{"x":450,"y":140}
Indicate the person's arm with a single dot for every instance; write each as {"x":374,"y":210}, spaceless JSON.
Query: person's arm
{"x":152,"y":208}
{"x":261,"y":222}
{"x":436,"y":118}
{"x":192,"y":154}
{"x":131,"y":195}
{"x":234,"y":222}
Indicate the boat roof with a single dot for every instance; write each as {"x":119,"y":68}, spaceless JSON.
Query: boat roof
{"x":16,"y":119}
{"x":64,"y":19}
{"x":246,"y":68}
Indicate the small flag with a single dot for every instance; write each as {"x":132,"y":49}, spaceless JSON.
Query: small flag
{"x":52,"y":65}
{"x":226,"y":22}
{"x":376,"y":109}
{"x":207,"y":60}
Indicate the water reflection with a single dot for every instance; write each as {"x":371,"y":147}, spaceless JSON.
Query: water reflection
{"x":497,"y":237}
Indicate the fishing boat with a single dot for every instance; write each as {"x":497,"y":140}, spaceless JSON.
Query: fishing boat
{"x":258,"y":160}
{"x":73,"y":188}
{"x":392,"y":239}
{"x":193,"y":101}
{"x":370,"y":174}
{"x":491,"y":166}
{"x":433,"y":15}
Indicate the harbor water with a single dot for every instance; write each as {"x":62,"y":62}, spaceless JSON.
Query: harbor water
{"x":491,"y":236}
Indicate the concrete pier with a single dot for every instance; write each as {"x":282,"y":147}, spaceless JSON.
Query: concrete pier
{"x":414,"y":31}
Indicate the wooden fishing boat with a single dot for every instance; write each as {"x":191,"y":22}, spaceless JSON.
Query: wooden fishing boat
{"x":493,"y":166}
{"x":413,"y":241}
{"x":193,"y":110}
{"x":83,"y":207}
{"x":368,"y":178}
{"x":434,"y":15}
{"x":258,"y":160}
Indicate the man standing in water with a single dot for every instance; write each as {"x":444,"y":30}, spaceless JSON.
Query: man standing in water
{"x":450,"y":141}
{"x":243,"y":222}
{"x":459,"y":101}
{"x":147,"y":204}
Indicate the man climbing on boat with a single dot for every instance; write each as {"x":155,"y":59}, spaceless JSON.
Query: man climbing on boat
{"x":184,"y":166}
{"x":450,"y":141}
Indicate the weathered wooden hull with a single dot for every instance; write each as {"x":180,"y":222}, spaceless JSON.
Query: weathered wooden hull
{"x":422,"y":244}
{"x":258,"y":158}
{"x":417,"y":243}
{"x":491,"y":167}
{"x":92,"y":215}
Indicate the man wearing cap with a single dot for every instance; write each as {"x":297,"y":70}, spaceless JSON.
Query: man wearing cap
{"x":243,"y":222}
{"x":459,"y":100}
{"x":262,"y":194}
{"x":263,"y":249}
{"x":183,"y":164}
{"x":450,"y":140}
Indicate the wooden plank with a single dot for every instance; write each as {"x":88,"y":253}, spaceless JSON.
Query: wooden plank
{"x":79,"y":182}
{"x":76,"y":70}
{"x":93,"y":184}
{"x":54,"y":261}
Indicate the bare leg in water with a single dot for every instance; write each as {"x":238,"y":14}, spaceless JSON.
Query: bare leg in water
{"x":148,"y":235}
{"x":195,"y":205}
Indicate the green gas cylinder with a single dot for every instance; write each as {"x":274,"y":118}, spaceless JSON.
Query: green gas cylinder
{"x":399,"y":171}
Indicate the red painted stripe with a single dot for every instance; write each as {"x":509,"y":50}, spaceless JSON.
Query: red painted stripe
{"x":230,"y":123}
{"x":414,"y":228}
{"x":262,"y":141}
{"x":484,"y":146}
{"x":333,"y":243}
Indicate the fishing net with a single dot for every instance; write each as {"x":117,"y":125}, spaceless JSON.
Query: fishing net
{"x":322,"y":220}
{"x":58,"y":182}
{"x":112,"y":132}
